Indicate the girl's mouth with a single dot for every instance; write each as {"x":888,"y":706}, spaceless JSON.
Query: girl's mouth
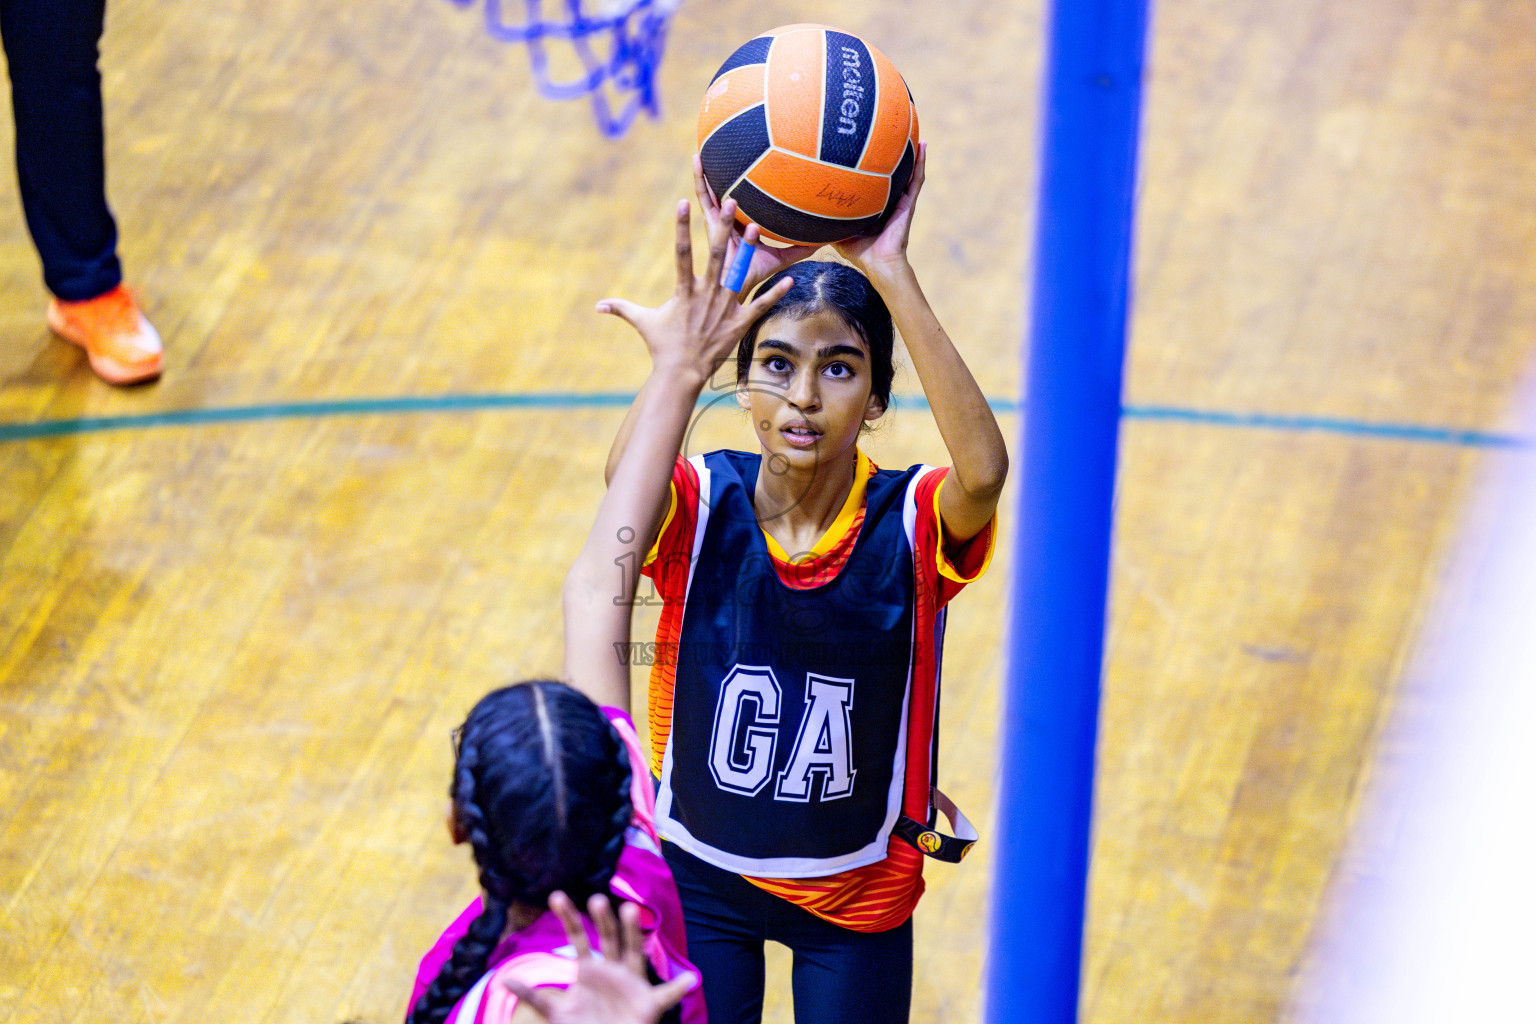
{"x":799,"y":435}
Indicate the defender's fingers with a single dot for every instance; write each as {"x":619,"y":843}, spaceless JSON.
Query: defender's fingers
{"x":718,"y":242}
{"x":739,"y":271}
{"x":534,"y":997}
{"x":633,"y":943}
{"x":684,"y":250}
{"x":760,"y":305}
{"x":671,"y":993}
{"x":563,"y":908}
{"x":621,"y":308}
{"x":719,"y":223}
{"x":601,"y":913}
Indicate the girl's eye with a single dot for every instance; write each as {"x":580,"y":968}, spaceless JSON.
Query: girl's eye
{"x":776,"y":364}
{"x":838,"y":370}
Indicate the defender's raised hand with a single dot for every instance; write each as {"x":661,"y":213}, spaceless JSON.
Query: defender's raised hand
{"x":611,"y":990}
{"x":699,"y":325}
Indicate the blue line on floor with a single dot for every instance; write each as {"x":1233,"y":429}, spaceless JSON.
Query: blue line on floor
{"x":1332,"y":425}
{"x":618,"y":400}
{"x":300,"y":410}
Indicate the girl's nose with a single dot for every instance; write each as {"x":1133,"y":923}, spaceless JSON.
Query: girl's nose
{"x":803,"y":394}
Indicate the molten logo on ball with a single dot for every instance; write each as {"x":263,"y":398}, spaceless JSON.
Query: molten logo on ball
{"x":853,"y":92}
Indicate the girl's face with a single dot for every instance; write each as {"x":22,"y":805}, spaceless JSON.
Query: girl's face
{"x":808,"y":389}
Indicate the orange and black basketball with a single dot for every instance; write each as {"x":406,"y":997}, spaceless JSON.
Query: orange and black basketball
{"x":812,"y":131}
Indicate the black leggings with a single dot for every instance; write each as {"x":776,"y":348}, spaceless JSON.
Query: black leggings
{"x":51,"y":50}
{"x":839,"y":977}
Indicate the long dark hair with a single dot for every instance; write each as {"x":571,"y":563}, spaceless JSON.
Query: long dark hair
{"x":541,"y":792}
{"x":824,"y":284}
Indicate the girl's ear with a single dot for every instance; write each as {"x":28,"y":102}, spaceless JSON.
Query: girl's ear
{"x":743,"y":394}
{"x":873,"y":408}
{"x":455,"y":828}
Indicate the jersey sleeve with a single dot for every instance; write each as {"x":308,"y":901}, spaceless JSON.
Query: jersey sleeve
{"x":667,"y":561}
{"x":955,"y":563}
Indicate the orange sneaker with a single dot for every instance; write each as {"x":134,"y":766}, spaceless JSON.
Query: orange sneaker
{"x":124,"y":348}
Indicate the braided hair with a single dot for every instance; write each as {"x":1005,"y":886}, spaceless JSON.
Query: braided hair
{"x":541,"y":792}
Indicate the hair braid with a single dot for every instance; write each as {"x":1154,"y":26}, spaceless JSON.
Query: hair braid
{"x":471,"y":953}
{"x":618,"y":825}
{"x":541,"y":791}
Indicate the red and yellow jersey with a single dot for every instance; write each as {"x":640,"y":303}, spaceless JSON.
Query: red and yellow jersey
{"x":872,"y":896}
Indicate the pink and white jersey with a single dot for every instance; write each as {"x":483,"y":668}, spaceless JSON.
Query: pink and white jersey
{"x":539,"y":955}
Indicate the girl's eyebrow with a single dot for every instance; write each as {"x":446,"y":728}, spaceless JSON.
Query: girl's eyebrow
{"x":821,"y":353}
{"x":840,"y":350}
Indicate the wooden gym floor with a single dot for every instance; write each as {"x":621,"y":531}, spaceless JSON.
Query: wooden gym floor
{"x":232,"y":644}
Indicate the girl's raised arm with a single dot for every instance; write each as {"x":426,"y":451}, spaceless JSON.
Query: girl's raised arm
{"x":688,"y":337}
{"x":978,"y":457}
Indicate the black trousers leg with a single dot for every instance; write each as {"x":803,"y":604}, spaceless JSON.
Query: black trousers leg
{"x":51,"y":48}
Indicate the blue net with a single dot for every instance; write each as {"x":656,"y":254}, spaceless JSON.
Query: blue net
{"x":620,"y":48}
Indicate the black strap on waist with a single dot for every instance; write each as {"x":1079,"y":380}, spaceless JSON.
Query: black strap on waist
{"x":930,"y":841}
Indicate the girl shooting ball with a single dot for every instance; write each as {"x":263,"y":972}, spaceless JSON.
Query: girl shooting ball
{"x":549,"y":788}
{"x":793,"y":701}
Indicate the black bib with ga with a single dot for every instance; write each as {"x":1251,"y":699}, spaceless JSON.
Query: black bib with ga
{"x":787,"y":743}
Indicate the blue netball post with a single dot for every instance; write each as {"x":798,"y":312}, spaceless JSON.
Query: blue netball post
{"x":1082,"y":256}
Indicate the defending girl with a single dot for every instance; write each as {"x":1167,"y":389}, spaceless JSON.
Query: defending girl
{"x":793,"y":699}
{"x":549,"y":789}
